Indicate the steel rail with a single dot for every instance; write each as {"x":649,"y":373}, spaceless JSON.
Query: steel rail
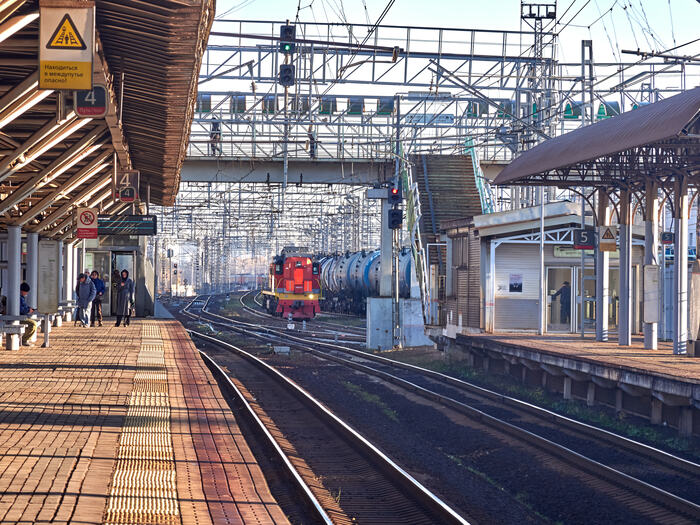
{"x":666,"y":499}
{"x":414,"y":488}
{"x":302,"y":487}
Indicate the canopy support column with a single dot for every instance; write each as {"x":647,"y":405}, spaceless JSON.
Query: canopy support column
{"x":680,"y":267}
{"x":33,"y":269}
{"x":602,"y":291}
{"x":626,"y":220}
{"x":14,"y":276}
{"x":651,"y":251}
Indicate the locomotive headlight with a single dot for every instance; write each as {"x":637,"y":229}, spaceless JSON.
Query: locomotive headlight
{"x":311,"y":296}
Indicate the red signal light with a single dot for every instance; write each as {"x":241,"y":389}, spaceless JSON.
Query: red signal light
{"x":394,"y":191}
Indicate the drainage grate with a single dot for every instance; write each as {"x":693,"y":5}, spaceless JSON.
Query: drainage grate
{"x":143,"y":488}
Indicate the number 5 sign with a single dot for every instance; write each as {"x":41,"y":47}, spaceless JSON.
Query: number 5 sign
{"x":87,"y":223}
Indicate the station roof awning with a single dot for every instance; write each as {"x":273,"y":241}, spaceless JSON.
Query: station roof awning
{"x":655,"y":140}
{"x":158,"y":47}
{"x":51,"y":161}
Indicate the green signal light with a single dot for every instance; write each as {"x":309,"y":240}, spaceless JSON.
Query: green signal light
{"x":287,"y":47}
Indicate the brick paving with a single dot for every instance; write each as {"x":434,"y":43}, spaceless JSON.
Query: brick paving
{"x":660,"y":362}
{"x":62,"y":416}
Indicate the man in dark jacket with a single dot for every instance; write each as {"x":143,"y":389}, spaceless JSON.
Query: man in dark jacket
{"x":96,"y":310}
{"x":86,"y":293}
{"x":564,"y":294}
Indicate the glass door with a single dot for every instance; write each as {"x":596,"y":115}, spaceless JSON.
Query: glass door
{"x":559,"y":299}
{"x":120,"y":261}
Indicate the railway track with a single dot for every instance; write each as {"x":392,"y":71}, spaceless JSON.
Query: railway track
{"x":663,"y":486}
{"x":349,"y":330}
{"x":342,"y":477}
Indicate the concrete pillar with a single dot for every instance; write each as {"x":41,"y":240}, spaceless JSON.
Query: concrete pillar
{"x":506,"y":367}
{"x":68,"y":277}
{"x":590,"y":394}
{"x":685,"y":422}
{"x":602,"y":291}
{"x":651,"y":251}
{"x":567,"y":387}
{"x":33,"y":268}
{"x":523,"y":374}
{"x":656,"y":411}
{"x":485,"y":363}
{"x":14,"y":275}
{"x":626,"y":219}
{"x":680,"y":268}
{"x":544,"y":379}
{"x":618,"y":400}
{"x":386,"y":252}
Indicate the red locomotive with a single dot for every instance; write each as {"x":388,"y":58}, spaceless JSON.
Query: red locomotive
{"x":294,"y":285}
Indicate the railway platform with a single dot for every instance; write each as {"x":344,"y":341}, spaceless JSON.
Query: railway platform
{"x":122,"y":425}
{"x":655,"y":384}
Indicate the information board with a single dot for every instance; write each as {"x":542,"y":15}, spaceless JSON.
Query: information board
{"x":49,"y":268}
{"x":91,"y":103}
{"x":126,"y":225}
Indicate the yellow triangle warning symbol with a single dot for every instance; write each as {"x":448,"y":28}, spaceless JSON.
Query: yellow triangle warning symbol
{"x":608,"y":234}
{"x":66,"y":36}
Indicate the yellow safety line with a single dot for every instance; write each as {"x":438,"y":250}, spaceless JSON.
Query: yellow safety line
{"x":143,"y":487}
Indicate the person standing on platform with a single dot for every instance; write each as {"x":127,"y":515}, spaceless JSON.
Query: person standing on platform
{"x":86,"y":293}
{"x":564,"y":294}
{"x":30,"y":325}
{"x":125,"y":298}
{"x":96,"y":310}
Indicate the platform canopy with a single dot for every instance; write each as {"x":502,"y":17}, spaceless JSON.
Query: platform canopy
{"x":659,"y":141}
{"x":147,"y":54}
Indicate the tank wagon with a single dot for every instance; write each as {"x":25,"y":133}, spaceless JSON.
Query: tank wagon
{"x":348,"y":279}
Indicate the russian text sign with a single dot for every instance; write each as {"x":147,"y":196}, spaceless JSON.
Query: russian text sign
{"x":87,"y":223}
{"x":66,"y":44}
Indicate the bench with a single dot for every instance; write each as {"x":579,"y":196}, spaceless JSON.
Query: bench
{"x":12,"y":331}
{"x":65,"y":312}
{"x":15,"y":331}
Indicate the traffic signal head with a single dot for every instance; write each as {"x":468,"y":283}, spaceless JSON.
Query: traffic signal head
{"x":395,"y":218}
{"x":286,"y":77}
{"x":395,"y":193}
{"x":287,"y":39}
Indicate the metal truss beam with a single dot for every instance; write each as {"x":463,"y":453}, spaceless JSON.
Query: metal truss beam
{"x":80,"y":150}
{"x":85,"y":194}
{"x":102,"y":161}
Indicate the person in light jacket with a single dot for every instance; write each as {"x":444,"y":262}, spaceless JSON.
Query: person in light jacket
{"x":125,"y":298}
{"x":85,"y":290}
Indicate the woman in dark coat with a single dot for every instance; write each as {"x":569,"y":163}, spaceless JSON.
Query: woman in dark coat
{"x":125,"y":298}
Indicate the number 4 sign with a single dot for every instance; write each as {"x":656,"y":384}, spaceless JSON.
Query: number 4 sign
{"x":91,"y":103}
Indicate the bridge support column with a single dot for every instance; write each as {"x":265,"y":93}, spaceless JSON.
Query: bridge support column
{"x":602,"y":291}
{"x":625,"y":323}
{"x":651,"y":250}
{"x":680,"y":268}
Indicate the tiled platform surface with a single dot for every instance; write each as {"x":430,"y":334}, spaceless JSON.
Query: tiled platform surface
{"x":122,"y":425}
{"x":659,"y":362}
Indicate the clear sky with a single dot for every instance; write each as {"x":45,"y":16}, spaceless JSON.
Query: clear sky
{"x":614,"y":24}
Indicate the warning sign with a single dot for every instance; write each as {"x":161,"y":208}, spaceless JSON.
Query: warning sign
{"x":87,"y":223}
{"x":607,"y":238}
{"x":66,"y":36}
{"x":66,"y":44}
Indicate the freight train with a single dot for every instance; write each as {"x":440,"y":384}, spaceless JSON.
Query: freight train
{"x":302,"y":284}
{"x":348,"y":279}
{"x":294,"y":285}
